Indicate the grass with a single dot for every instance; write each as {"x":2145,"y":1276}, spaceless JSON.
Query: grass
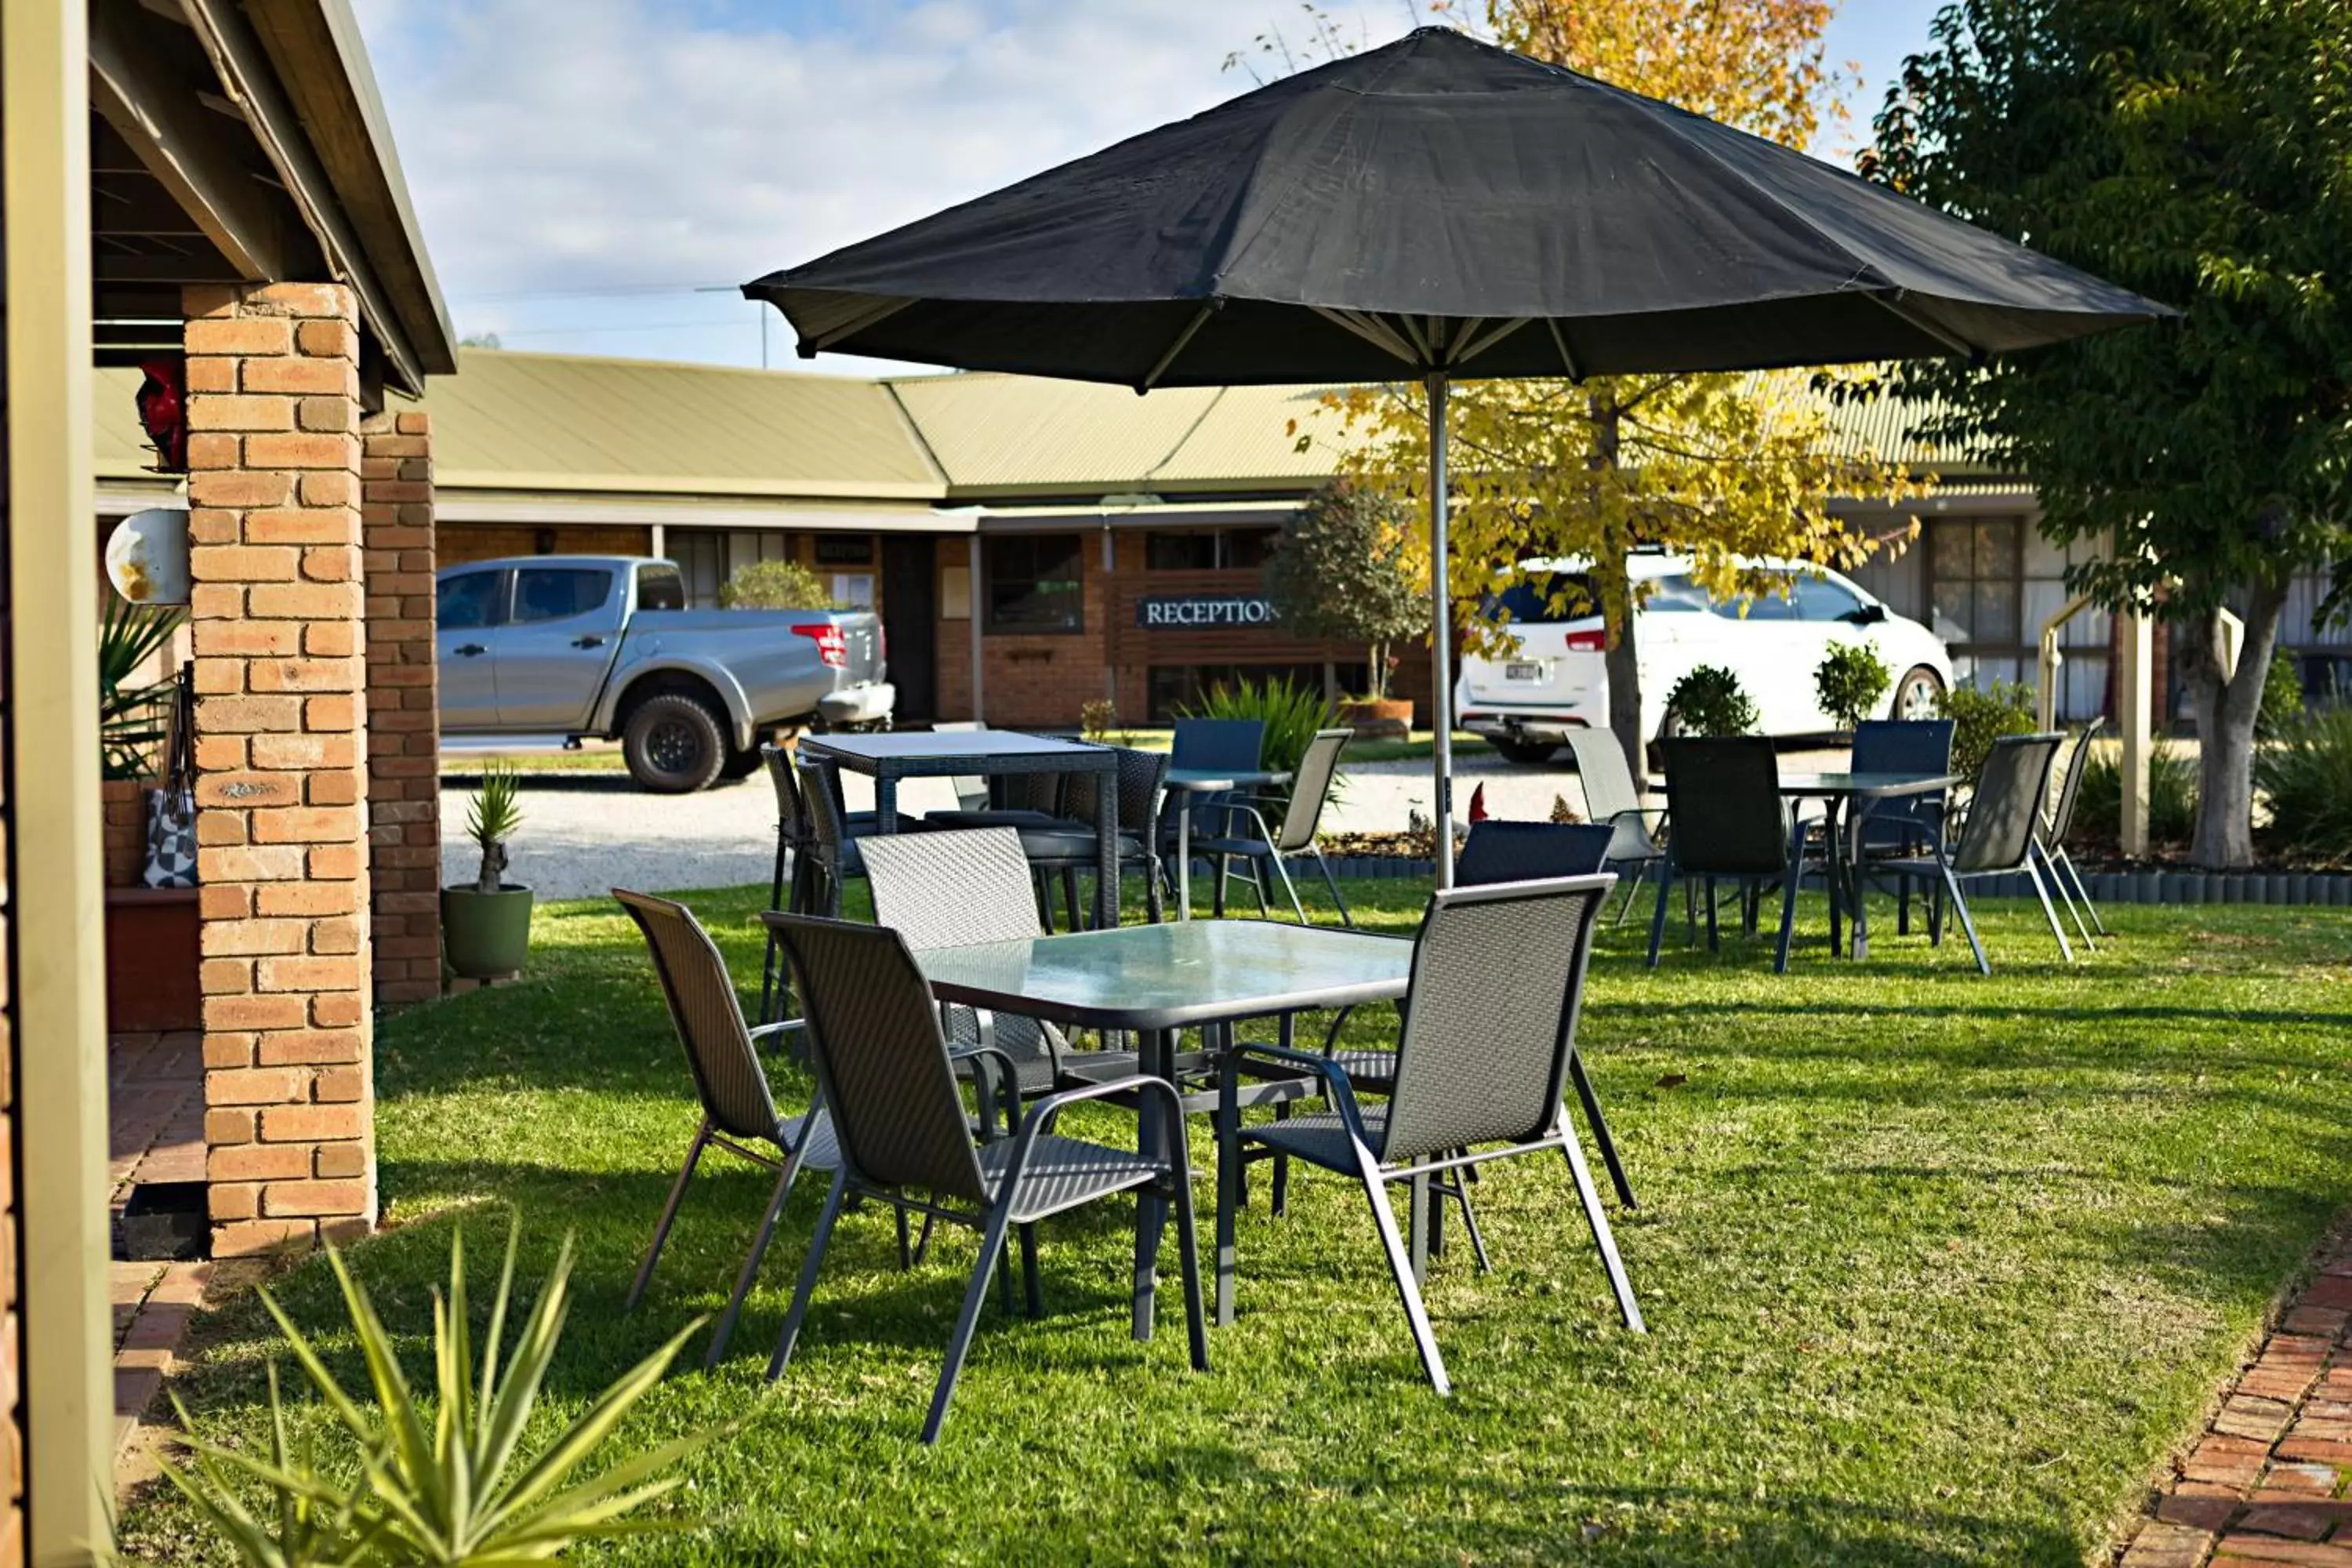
{"x":1938,"y":1270}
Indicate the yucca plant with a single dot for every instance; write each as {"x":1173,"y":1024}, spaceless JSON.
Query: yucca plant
{"x":443,"y":1485}
{"x":1290,"y":713}
{"x":130,"y":713}
{"x":491,"y":819}
{"x":2305,"y":772}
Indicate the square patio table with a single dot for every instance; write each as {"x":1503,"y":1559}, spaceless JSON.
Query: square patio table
{"x":889,"y":757}
{"x":1186,"y":784}
{"x":1834,"y":789}
{"x":1157,"y":980}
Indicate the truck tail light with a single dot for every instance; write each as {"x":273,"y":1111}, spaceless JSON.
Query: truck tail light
{"x":1587,"y":642}
{"x":832,"y":649}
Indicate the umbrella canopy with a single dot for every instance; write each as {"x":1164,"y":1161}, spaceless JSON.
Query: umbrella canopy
{"x":1442,"y":208}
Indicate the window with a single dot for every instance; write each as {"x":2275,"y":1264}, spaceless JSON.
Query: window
{"x":844,"y":550}
{"x":559,"y":592}
{"x":1529,"y":600}
{"x":1210,"y":550}
{"x":1677,"y":595}
{"x":1247,"y":549}
{"x":660,"y":588}
{"x":467,"y":602}
{"x":1977,"y":573}
{"x":1033,"y":583}
{"x":1818,"y":599}
{"x":1767,"y":606}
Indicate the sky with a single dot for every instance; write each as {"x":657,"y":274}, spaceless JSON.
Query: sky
{"x":596,"y":176}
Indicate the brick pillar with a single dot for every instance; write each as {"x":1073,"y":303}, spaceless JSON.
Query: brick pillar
{"x":281,"y":765}
{"x":402,"y":704}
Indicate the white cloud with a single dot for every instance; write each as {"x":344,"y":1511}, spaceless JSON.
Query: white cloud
{"x":603,"y":144}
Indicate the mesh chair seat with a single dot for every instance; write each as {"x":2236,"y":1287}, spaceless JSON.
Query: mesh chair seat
{"x":1033,"y":1045}
{"x":1371,"y":1068}
{"x":1063,"y":1172}
{"x":1323,"y":1139}
{"x":820,"y":1151}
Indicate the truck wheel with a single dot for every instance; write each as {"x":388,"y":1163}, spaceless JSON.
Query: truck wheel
{"x":674,"y":744}
{"x":1525,"y":753}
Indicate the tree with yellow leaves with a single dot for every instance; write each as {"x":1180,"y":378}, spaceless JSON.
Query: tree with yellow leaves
{"x":1725,"y":467}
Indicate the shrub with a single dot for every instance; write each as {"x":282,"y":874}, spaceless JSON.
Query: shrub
{"x":1850,"y":681}
{"x":2307,"y":771}
{"x":1291,"y":714}
{"x":1341,"y":573}
{"x":2171,"y":797}
{"x":1981,"y":716}
{"x":776,"y":586}
{"x":2282,"y":707}
{"x":1710,"y":701}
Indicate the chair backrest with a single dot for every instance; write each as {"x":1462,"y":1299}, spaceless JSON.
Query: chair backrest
{"x":710,"y":1020}
{"x":1218,"y":745}
{"x":1497,"y":976}
{"x":1310,"y":788}
{"x":828,"y":830}
{"x":1609,"y":787}
{"x":2006,"y":808}
{"x":791,"y":818}
{"x":880,"y":1057}
{"x":1531,"y":852}
{"x":1904,"y":746}
{"x":2060,"y":821}
{"x":1142,"y":784}
{"x":1027,"y":792}
{"x":970,"y":789}
{"x":1723,"y":798}
{"x":952,"y":888}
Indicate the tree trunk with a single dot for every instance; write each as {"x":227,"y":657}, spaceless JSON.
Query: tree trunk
{"x":2226,"y":711}
{"x":1623,"y":667}
{"x":1376,"y":672}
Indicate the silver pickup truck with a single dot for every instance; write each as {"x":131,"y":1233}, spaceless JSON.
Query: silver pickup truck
{"x":603,"y":646}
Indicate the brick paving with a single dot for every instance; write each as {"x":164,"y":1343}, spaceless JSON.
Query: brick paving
{"x":155,"y":1132}
{"x":2268,"y":1483}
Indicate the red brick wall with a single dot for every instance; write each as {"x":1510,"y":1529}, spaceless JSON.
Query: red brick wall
{"x":282,"y":766}
{"x":457,"y":543}
{"x":403,"y":755}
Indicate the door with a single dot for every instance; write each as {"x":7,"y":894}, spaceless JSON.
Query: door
{"x":911,"y":618}
{"x":469,"y":611}
{"x":558,"y":640}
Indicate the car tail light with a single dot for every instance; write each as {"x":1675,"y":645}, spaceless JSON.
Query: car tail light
{"x":832,"y":649}
{"x":1587,"y":642}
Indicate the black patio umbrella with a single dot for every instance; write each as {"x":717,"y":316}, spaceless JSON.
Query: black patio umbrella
{"x":1445,"y":208}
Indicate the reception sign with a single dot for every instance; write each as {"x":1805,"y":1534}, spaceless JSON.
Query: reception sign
{"x":1203,"y":612}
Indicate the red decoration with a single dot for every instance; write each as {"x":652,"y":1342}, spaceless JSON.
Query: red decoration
{"x":164,"y":413}
{"x":1478,"y":804}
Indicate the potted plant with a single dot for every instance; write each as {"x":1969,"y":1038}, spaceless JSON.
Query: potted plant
{"x":485,"y":929}
{"x":1850,"y":680}
{"x":1341,"y":571}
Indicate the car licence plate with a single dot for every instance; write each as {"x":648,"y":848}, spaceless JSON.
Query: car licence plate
{"x":1523,"y":671}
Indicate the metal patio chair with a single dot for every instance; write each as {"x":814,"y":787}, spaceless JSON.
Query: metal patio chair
{"x":1211,"y":746}
{"x":2058,"y":825}
{"x":902,"y":1131}
{"x":1901,"y":825}
{"x":1723,"y":798}
{"x":1611,"y":797}
{"x":1994,"y":836}
{"x":1264,"y":850}
{"x":1483,"y":1059}
{"x":738,"y":1110}
{"x":967,"y":887}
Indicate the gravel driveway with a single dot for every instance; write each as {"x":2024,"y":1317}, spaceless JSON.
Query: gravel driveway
{"x":585,"y":833}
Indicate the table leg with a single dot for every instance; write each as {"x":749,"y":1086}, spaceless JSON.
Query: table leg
{"x":885,"y":799}
{"x":1229,"y":1181}
{"x":1183,"y":854}
{"x":1155,"y":1050}
{"x":1833,"y":849}
{"x":1855,"y":819}
{"x":1107,"y":889}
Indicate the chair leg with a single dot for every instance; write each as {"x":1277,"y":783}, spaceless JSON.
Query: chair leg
{"x":1658,"y":921}
{"x":1460,"y":1190}
{"x":1283,"y":872}
{"x":1257,"y":885}
{"x":1400,"y":1269}
{"x":923,"y":1241}
{"x":1627,"y":1308}
{"x":750,"y":1270}
{"x":2066,"y":897}
{"x":2049,"y":911}
{"x":1960,"y":908}
{"x":775,"y":944}
{"x":991,"y":1248}
{"x":1903,"y":905}
{"x":1714,"y":942}
{"x":1032,"y":1283}
{"x":1333,"y":883}
{"x":1600,"y":1124}
{"x":668,"y":1214}
{"x":1196,"y":1324}
{"x":2066,"y":864}
{"x":1417,"y":1217}
{"x":1070,"y":898}
{"x":1625,"y":905}
{"x":1281,"y":1204}
{"x":1225,"y":869}
{"x":1229,"y":1188}
{"x":807,"y":1286}
{"x":906,"y":1251}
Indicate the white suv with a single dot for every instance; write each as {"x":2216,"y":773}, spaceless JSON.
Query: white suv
{"x":1553,"y":678}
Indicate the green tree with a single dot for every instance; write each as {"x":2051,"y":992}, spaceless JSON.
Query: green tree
{"x":2198,"y":152}
{"x":1728,"y":467}
{"x":1344,"y":570}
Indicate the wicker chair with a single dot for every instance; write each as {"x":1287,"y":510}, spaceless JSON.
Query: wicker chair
{"x":2058,"y":825}
{"x":885,"y":1075}
{"x":1072,"y":848}
{"x":809,"y":869}
{"x":1610,"y":797}
{"x":1483,"y":1059}
{"x":738,"y":1110}
{"x":1723,"y":798}
{"x":960,"y":889}
{"x":1263,"y":850}
{"x":1996,"y":836}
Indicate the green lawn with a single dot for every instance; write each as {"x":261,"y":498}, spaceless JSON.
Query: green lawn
{"x":1936,"y":1268}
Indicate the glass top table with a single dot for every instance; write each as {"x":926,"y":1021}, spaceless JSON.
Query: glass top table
{"x":892,"y":755}
{"x":1834,"y":789}
{"x":1189,"y":785}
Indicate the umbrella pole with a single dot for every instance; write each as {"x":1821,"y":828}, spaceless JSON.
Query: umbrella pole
{"x":1441,"y":648}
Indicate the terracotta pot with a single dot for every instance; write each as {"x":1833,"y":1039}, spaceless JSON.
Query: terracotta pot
{"x":1386,"y":717}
